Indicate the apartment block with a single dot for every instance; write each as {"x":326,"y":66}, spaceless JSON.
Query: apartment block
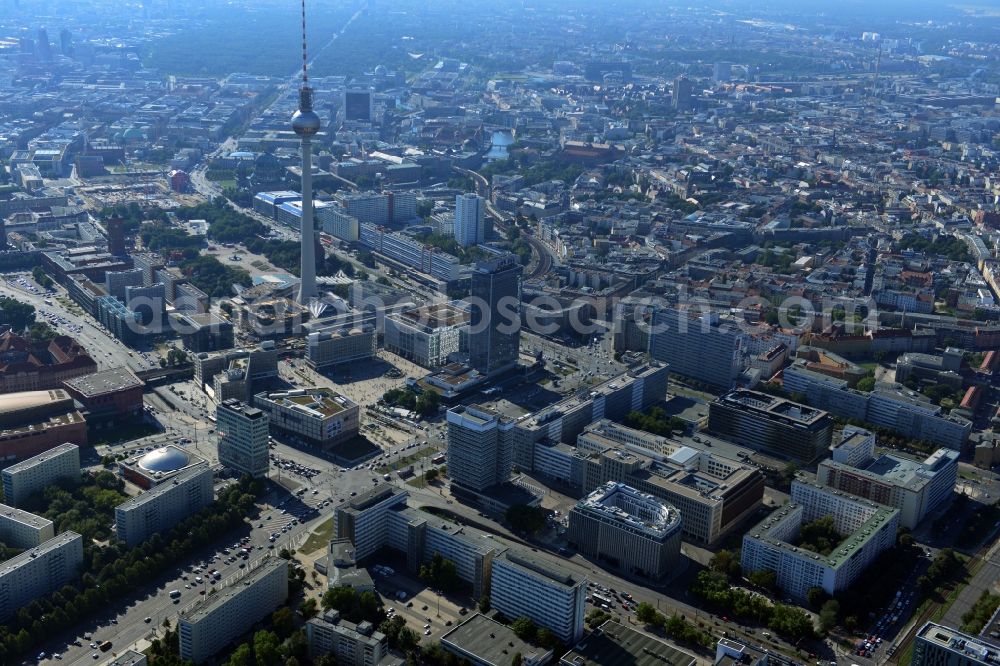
{"x":20,"y":529}
{"x":699,"y":345}
{"x":217,"y":619}
{"x":889,"y":405}
{"x":351,"y":644}
{"x":33,"y":475}
{"x":637,"y":389}
{"x":39,"y":571}
{"x":163,"y":506}
{"x":916,"y":487}
{"x":771,"y":545}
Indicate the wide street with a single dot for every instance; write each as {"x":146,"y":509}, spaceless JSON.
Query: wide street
{"x":106,"y":351}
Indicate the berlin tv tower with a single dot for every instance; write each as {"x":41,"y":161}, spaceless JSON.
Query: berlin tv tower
{"x":306,"y":124}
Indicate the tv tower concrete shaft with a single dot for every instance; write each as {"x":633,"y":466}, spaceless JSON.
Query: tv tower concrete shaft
{"x":306,"y":124}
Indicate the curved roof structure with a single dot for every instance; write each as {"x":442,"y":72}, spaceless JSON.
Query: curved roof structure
{"x":165,"y":459}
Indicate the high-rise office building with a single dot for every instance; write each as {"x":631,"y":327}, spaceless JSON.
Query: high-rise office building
{"x":480,"y":447}
{"x":771,"y":425}
{"x":495,"y":325}
{"x":523,"y":586}
{"x":66,"y":42}
{"x":243,"y":438}
{"x":698,"y":345}
{"x":116,"y":236}
{"x":683,"y":93}
{"x":358,"y":105}
{"x":44,"y":46}
{"x":628,"y":529}
{"x":722,"y":72}
{"x":470,"y":215}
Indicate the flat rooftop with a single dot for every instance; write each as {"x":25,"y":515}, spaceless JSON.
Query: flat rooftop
{"x":625,"y":504}
{"x":104,"y":382}
{"x":57,"y":541}
{"x":184,"y":476}
{"x":490,"y":641}
{"x":538,"y":567}
{"x":972,"y":647}
{"x":773,"y":406}
{"x":23,"y":517}
{"x":41,"y":458}
{"x":432,"y":317}
{"x":845,"y":549}
{"x":203,"y":607}
{"x":315,"y":402}
{"x":614,"y":644}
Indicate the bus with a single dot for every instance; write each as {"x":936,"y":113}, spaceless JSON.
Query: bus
{"x":599,"y":599}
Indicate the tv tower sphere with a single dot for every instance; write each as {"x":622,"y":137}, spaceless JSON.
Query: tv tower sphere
{"x":305,"y":122}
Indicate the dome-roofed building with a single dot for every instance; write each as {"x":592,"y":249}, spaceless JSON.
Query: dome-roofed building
{"x":165,"y":459}
{"x":152,"y":468}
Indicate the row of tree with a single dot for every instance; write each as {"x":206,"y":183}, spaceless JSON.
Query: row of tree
{"x":114,"y":571}
{"x":789,"y":621}
{"x":676,"y":627}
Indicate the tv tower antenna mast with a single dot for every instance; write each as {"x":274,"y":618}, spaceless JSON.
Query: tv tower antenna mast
{"x":306,"y":124}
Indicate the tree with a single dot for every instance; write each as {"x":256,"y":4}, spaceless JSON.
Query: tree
{"x":43,"y":280}
{"x":440,"y":573}
{"x":726,"y":562}
{"x":645,"y":613}
{"x":19,"y":316}
{"x":431,"y":475}
{"x":283,"y":621}
{"x":525,"y":629}
{"x":266,"y":648}
{"x":828,"y":614}
{"x":369,"y":606}
{"x":308,"y":608}
{"x":427,"y":403}
{"x":764,"y":578}
{"x":241,"y":656}
{"x":40,"y":333}
{"x":517,"y":659}
{"x":484,"y":603}
{"x":816,"y":596}
{"x":339,"y":599}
